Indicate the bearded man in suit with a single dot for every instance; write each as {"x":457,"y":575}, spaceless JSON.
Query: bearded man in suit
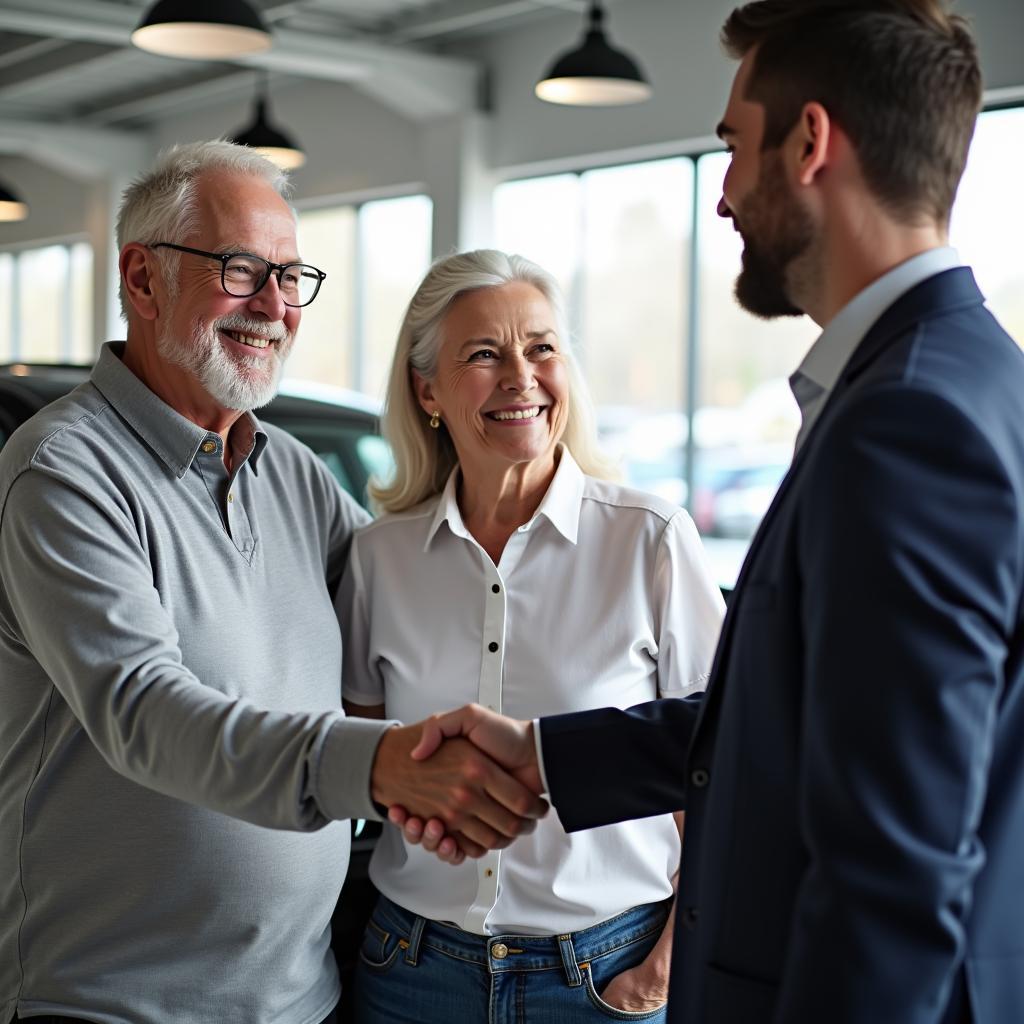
{"x":854,"y":777}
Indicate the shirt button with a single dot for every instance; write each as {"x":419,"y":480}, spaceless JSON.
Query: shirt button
{"x":209,"y":447}
{"x":489,"y":873}
{"x":499,"y":951}
{"x":492,"y":647}
{"x":699,"y":777}
{"x":495,"y":588}
{"x":231,"y":497}
{"x":690,"y":915}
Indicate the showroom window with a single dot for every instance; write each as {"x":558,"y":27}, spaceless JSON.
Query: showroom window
{"x":46,"y":304}
{"x":988,"y":216}
{"x":692,"y":392}
{"x":374,"y":254}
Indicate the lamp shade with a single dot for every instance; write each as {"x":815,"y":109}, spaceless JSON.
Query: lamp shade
{"x":262,"y":136}
{"x":202,"y":29}
{"x":12,"y":207}
{"x":594,"y":74}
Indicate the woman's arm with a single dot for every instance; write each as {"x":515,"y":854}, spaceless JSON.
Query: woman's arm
{"x":645,"y":987}
{"x":689,"y":610}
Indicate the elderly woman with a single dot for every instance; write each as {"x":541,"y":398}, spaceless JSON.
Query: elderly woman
{"x":509,"y":571}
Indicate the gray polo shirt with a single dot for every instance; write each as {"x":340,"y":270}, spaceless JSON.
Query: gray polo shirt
{"x":172,"y":750}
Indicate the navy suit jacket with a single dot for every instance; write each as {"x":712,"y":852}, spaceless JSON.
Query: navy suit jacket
{"x":854,"y":778}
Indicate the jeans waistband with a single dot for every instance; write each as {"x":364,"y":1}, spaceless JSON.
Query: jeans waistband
{"x":510,"y":952}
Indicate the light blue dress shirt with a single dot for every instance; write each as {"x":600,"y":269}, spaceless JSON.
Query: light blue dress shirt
{"x":813,"y":380}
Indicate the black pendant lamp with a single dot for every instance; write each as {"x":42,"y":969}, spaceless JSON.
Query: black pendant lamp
{"x":594,"y":74}
{"x":202,"y":29}
{"x":267,"y":139}
{"x":12,"y":207}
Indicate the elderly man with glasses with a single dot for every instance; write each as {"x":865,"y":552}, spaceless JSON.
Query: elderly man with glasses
{"x":175,"y":769}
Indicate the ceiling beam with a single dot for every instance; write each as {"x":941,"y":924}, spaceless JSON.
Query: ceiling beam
{"x":26,"y":48}
{"x":85,"y":154}
{"x":60,"y":67}
{"x":464,"y":16}
{"x":445,"y":85}
{"x":160,"y":101}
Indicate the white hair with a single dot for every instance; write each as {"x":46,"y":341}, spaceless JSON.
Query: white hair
{"x":424,"y":457}
{"x":162,"y":205}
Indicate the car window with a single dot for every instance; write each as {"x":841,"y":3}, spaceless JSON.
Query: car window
{"x":332,"y":460}
{"x":16,"y":405}
{"x":375,"y":455}
{"x":346,"y":439}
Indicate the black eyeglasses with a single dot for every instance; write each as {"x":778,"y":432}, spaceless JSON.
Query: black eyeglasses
{"x":242,"y":274}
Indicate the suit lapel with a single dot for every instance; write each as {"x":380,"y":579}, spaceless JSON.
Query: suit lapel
{"x":940,"y":295}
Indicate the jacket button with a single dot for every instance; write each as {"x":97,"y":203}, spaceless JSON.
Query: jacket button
{"x":690,"y":915}
{"x":699,"y":777}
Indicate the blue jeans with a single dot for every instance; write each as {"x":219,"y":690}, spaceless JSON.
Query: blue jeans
{"x":415,"y":970}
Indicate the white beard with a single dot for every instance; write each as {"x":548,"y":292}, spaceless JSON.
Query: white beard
{"x":236,"y":382}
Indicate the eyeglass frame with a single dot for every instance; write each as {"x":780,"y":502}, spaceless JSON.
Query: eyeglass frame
{"x":224,"y":257}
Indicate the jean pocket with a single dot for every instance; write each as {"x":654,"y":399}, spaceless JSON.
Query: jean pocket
{"x":380,"y":948}
{"x":613,"y":1012}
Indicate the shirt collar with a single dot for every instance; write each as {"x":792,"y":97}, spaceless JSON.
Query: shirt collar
{"x":560,"y":505}
{"x":175,"y":439}
{"x":836,"y":343}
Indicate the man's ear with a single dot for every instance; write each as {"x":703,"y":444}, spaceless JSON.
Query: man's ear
{"x":424,"y":392}
{"x":138,"y":272}
{"x":814,"y":133}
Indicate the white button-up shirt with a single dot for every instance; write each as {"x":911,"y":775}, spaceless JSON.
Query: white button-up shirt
{"x":602,"y":599}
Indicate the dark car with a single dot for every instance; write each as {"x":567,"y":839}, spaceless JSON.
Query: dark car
{"x":343,"y":429}
{"x":340,"y":426}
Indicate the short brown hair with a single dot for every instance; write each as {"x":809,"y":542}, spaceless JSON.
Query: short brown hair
{"x":900,"y":77}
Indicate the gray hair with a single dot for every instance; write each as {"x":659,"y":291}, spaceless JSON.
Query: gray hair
{"x":161,"y":205}
{"x":424,"y":457}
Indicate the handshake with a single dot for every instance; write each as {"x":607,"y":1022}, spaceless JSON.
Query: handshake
{"x":460,"y":783}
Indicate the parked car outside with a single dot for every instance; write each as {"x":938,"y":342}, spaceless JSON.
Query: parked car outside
{"x":342,"y":428}
{"x":733,"y":487}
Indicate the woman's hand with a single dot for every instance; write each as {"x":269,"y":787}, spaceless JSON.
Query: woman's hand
{"x":644,"y":988}
{"x":641,"y":989}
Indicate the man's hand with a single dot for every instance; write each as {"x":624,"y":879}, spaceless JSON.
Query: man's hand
{"x":454,"y":786}
{"x":508,"y":742}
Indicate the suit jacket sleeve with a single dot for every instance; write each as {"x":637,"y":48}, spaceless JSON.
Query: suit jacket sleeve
{"x":910,"y":544}
{"x":612,"y":765}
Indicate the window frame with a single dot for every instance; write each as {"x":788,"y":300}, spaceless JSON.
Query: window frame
{"x":17,"y":251}
{"x":357,"y":315}
{"x":691,"y":340}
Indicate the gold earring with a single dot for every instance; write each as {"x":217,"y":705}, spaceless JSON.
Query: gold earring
{"x":435,"y":419}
